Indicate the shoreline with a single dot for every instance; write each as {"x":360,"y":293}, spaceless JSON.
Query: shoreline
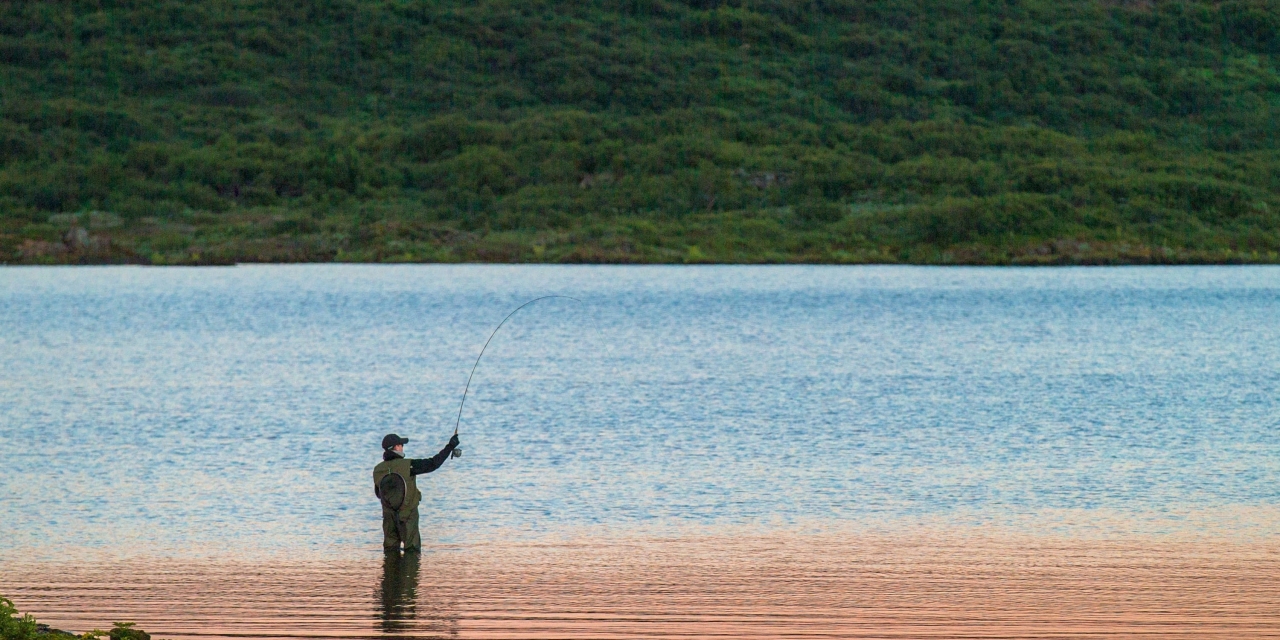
{"x":15,"y":625}
{"x":1150,"y":258}
{"x":1138,"y":256}
{"x":730,"y":238}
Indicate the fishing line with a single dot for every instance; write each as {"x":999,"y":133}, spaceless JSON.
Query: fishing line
{"x":462,"y":404}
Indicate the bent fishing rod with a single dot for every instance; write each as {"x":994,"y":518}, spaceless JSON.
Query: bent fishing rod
{"x":467,"y":388}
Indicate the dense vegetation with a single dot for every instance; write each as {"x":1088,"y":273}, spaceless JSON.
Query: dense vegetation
{"x":973,"y":131}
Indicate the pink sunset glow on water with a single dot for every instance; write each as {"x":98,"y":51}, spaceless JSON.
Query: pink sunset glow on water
{"x":793,"y":585}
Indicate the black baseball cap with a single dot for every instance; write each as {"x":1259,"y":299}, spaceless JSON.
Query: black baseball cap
{"x":391,"y":440}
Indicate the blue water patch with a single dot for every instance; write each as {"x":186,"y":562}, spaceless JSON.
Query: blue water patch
{"x":148,"y":409}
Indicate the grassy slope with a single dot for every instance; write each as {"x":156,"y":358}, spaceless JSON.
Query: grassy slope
{"x":979,"y":131}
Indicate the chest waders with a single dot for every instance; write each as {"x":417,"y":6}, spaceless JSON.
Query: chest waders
{"x":397,"y":490}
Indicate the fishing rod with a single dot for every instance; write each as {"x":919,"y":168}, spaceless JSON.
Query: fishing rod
{"x":458,"y":422}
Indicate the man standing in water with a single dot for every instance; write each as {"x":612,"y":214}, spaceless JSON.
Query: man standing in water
{"x":396,"y":485}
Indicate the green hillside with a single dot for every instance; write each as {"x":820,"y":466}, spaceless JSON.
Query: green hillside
{"x":931,"y":131}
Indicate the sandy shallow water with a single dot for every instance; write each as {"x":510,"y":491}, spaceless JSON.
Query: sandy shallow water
{"x":794,"y":585}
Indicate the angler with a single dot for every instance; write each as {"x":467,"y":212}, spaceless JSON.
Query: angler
{"x":394,"y":478}
{"x":395,"y":483}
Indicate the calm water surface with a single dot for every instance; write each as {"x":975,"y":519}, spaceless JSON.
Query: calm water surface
{"x":753,"y":438}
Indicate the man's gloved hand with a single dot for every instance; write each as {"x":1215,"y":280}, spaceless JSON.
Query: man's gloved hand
{"x":453,"y":442}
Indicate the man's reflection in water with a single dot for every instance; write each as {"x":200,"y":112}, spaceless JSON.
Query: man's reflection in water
{"x":399,"y":594}
{"x":399,"y":591}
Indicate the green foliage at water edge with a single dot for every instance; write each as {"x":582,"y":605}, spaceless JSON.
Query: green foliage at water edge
{"x":14,"y":626}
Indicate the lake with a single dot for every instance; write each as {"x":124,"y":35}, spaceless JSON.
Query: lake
{"x":679,"y":451}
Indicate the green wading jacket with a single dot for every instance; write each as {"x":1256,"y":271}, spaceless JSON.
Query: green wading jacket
{"x":408,"y":469}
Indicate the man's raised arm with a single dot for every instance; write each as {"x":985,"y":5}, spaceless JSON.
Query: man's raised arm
{"x":427,"y":465}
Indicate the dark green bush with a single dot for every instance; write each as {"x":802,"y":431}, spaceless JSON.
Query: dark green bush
{"x":959,"y":221}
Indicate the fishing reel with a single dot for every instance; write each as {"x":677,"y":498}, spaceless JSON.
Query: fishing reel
{"x":456,"y":453}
